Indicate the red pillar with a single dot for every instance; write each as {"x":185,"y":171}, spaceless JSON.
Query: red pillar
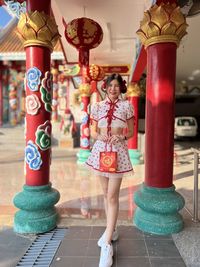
{"x":38,"y":57}
{"x":85,"y":91}
{"x":37,"y":213}
{"x":161,"y":69}
{"x":94,"y":90}
{"x":1,"y":95}
{"x":133,"y":142}
{"x":158,"y":203}
{"x":133,"y":93}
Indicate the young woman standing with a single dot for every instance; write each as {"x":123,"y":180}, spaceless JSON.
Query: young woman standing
{"x":110,"y":118}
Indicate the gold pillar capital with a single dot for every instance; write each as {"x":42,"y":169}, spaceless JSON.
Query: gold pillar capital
{"x":38,"y":29}
{"x":162,"y":24}
{"x":85,"y":89}
{"x":133,"y":90}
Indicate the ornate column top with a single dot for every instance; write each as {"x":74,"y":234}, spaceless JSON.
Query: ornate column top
{"x":133,"y":90}
{"x":85,"y":89}
{"x":38,"y":28}
{"x":162,"y":24}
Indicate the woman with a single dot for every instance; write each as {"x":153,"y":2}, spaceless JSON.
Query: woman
{"x":110,"y":118}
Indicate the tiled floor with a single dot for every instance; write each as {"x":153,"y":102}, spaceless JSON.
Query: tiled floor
{"x":133,"y":249}
{"x":12,"y":247}
{"x":81,"y":204}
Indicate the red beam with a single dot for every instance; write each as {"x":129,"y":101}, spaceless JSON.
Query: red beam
{"x":140,"y":65}
{"x":158,"y":2}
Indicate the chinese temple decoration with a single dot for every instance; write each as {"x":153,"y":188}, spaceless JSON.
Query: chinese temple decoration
{"x":95,"y":73}
{"x":33,"y":156}
{"x":133,"y":90}
{"x":55,"y":95}
{"x":13,"y":97}
{"x":84,"y":34}
{"x":43,"y":136}
{"x":39,"y":96}
{"x":161,"y":24}
{"x":70,"y":70}
{"x":45,"y":90}
{"x":33,"y":78}
{"x":15,"y":7}
{"x":39,"y":34}
{"x":13,"y":102}
{"x":161,"y":31}
{"x":38,"y":29}
{"x":61,"y":77}
{"x":85,"y":89}
{"x":32,"y":104}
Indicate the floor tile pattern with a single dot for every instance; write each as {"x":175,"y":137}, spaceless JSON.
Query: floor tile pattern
{"x":133,"y":249}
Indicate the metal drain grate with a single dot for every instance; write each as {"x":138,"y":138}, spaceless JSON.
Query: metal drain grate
{"x":41,"y":252}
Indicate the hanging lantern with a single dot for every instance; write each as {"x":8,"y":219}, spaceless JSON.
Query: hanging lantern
{"x":84,"y":34}
{"x":95,"y":73}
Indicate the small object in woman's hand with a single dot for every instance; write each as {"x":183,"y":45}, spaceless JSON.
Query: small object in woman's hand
{"x":114,"y":139}
{"x":102,"y":137}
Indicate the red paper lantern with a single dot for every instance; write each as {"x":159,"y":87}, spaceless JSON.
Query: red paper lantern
{"x":84,"y":34}
{"x":95,"y":73}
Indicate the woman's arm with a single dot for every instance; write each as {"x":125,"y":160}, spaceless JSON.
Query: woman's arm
{"x":130,"y":128}
{"x":95,"y":132}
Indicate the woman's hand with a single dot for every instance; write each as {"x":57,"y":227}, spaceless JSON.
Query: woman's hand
{"x":116,"y":138}
{"x":102,"y":137}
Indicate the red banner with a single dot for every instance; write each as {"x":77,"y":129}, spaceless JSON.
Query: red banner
{"x":122,"y":69}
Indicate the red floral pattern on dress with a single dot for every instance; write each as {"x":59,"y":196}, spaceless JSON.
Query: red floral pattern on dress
{"x":109,"y":114}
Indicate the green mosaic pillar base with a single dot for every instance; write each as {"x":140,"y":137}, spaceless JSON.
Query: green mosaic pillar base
{"x":157,"y":210}
{"x":83,"y":155}
{"x":37,"y":213}
{"x":135,"y":156}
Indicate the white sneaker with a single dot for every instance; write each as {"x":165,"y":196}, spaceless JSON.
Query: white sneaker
{"x":101,"y":240}
{"x":106,"y":255}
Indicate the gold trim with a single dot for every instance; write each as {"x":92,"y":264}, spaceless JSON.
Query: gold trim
{"x":162,"y":23}
{"x":38,"y":28}
{"x":133,"y":90}
{"x":161,"y":39}
{"x":85,"y":89}
{"x":38,"y":43}
{"x":54,"y":71}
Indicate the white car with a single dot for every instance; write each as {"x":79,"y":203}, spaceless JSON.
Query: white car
{"x":185,"y":127}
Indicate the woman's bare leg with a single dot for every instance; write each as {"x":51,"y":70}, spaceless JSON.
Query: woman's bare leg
{"x":104,"y":184}
{"x":113,"y":206}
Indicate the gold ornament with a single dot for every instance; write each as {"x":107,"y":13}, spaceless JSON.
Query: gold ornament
{"x":54,"y":71}
{"x":38,"y":28}
{"x":85,"y":89}
{"x":162,"y":24}
{"x":133,"y":90}
{"x":76,"y":98}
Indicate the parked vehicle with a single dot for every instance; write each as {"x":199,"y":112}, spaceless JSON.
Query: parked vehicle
{"x":185,"y":127}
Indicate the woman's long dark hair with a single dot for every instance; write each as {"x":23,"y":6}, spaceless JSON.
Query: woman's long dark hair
{"x":118,"y":77}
